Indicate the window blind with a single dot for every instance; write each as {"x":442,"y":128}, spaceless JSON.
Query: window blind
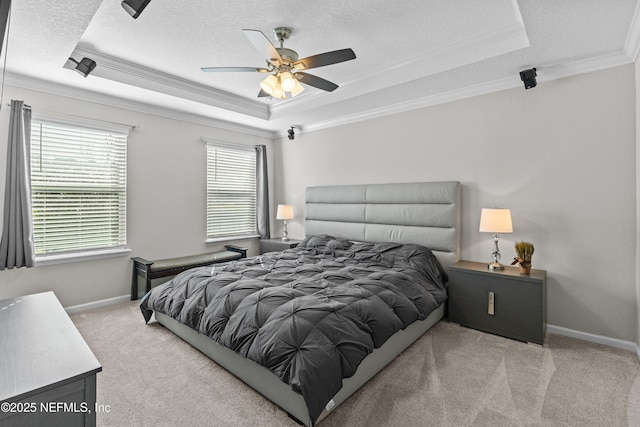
{"x":78,"y":186}
{"x":231,"y":190}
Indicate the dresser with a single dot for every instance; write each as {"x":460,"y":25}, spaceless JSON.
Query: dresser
{"x":505,"y":303}
{"x":47,"y":371}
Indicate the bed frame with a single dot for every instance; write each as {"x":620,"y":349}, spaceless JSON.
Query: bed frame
{"x":424,"y":213}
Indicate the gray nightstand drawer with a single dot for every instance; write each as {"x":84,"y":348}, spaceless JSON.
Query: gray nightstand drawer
{"x":505,"y":302}
{"x":517,"y":323}
{"x":521,"y":294}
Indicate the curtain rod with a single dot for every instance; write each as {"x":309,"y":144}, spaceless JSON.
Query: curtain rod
{"x":8,"y":104}
{"x":133,"y":127}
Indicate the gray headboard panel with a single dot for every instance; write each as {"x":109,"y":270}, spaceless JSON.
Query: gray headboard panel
{"x":427,"y":213}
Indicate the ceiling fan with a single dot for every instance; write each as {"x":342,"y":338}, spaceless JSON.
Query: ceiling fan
{"x":285,"y":67}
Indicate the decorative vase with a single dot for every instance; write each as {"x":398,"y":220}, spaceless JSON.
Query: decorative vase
{"x":525,"y":267}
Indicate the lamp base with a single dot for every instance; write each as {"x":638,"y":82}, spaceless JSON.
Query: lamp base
{"x":495,"y":266}
{"x":285,"y":233}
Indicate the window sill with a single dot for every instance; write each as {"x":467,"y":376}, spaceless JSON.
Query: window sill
{"x":80,"y":256}
{"x":231,"y":238}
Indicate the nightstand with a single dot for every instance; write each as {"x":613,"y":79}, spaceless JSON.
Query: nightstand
{"x":274,"y":245}
{"x":505,"y":303}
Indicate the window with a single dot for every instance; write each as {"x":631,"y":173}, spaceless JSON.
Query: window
{"x":231,"y":190}
{"x":78,"y":187}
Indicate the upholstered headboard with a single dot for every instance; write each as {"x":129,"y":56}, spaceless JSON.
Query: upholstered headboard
{"x":427,"y":213}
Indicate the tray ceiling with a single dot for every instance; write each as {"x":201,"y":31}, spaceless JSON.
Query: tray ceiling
{"x":409,"y":54}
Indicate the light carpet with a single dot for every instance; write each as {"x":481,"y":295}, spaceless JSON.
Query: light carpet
{"x":451,"y":376}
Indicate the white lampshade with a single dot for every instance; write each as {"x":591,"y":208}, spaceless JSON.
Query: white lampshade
{"x":269,"y":84}
{"x":284,"y":212}
{"x":287,"y":81}
{"x":496,"y":221}
{"x":297,"y":89}
{"x":278,"y":92}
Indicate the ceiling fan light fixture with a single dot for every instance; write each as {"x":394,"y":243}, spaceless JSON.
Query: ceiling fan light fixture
{"x":297,"y":89}
{"x":282,"y":61}
{"x":287,"y":81}
{"x":269,"y":84}
{"x":278,"y":92}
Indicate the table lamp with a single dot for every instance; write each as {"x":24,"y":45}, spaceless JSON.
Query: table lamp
{"x":495,"y":221}
{"x":285,"y":212}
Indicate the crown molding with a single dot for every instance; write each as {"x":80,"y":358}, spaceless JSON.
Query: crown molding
{"x":582,"y":66}
{"x":19,"y":80}
{"x":414,"y":104}
{"x":122,"y":71}
{"x":545,"y":74}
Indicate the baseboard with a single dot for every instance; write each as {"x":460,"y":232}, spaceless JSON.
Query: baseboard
{"x":598,"y":339}
{"x":97,"y":304}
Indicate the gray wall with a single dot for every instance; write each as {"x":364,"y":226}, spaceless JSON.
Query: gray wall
{"x":166,"y":199}
{"x":561,"y":156}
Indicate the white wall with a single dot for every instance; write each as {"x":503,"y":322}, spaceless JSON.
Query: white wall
{"x":165,"y":203}
{"x":561,"y":156}
{"x":637,"y":231}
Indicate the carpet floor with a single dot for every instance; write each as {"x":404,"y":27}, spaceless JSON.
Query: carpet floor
{"x":451,"y":376}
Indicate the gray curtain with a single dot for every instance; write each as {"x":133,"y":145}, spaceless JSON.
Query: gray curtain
{"x":262,"y":193}
{"x":16,"y":246}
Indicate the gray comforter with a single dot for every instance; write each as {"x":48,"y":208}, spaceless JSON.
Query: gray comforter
{"x":309,"y":314}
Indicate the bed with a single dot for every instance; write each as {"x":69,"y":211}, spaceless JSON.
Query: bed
{"x":357,"y":291}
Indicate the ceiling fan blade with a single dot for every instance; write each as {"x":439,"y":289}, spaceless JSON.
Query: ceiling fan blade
{"x":262,"y":94}
{"x":323,"y":59}
{"x":315,"y":81}
{"x":233,"y":69}
{"x":264,"y":46}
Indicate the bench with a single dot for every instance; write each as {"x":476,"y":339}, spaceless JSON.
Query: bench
{"x":150,"y":270}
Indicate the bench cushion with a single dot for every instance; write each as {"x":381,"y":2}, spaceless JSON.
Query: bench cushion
{"x":193,"y":260}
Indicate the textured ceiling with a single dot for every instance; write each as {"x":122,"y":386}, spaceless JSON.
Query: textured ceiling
{"x":410,"y":53}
